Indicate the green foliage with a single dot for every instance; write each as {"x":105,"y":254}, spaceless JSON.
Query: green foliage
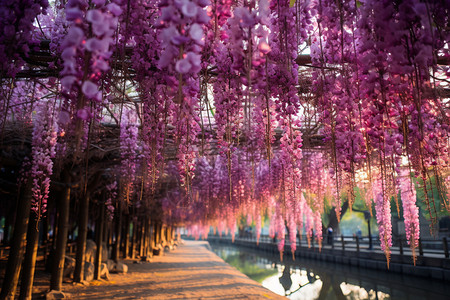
{"x":352,"y":221}
{"x":359,"y":203}
{"x":436,"y":199}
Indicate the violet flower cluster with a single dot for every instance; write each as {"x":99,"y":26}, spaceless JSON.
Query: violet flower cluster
{"x":129,"y":148}
{"x":86,"y":52}
{"x":111,"y":198}
{"x":16,"y":34}
{"x":383,"y":215}
{"x":42,"y":155}
{"x":410,"y":209}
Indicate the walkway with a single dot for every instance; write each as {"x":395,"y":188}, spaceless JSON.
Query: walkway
{"x":189,"y":272}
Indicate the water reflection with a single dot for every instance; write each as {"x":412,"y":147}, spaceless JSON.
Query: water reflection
{"x":310,"y":279}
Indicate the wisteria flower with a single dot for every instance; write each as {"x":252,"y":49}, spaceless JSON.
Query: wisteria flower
{"x":95,"y":16}
{"x":100,"y":28}
{"x":194,"y":59}
{"x":9,"y":31}
{"x":94,"y":44}
{"x":169,"y":14}
{"x":83,"y":114}
{"x":196,"y":32}
{"x":99,"y":2}
{"x":114,"y":9}
{"x":67,"y":82}
{"x":89,"y":89}
{"x":74,"y":36}
{"x":73,"y":14}
{"x":183,"y":66}
{"x":189,"y":9}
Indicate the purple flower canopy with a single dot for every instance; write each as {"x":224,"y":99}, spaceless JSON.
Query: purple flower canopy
{"x":255,"y":108}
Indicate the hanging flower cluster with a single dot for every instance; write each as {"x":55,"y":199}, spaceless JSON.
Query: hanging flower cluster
{"x":16,"y":36}
{"x":85,"y":52}
{"x":129,"y":147}
{"x":280,"y":137}
{"x":43,"y":151}
{"x":111,"y":197}
{"x":182,"y":39}
{"x":410,"y":209}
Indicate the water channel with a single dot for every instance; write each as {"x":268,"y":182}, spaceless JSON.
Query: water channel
{"x":311,"y":279}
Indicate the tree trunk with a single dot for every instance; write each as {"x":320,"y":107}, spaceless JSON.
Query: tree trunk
{"x":158,"y":233}
{"x":155,"y":233}
{"x":146,"y":238}
{"x":26,"y":284}
{"x":141,"y":238}
{"x":61,"y":238}
{"x":17,"y":243}
{"x":162,"y":238}
{"x":118,"y":231}
{"x":150,"y":238}
{"x":44,"y":230}
{"x":8,"y":221}
{"x":99,"y":239}
{"x":55,"y":225}
{"x":126,"y":246}
{"x":333,"y":221}
{"x":78,"y":274}
{"x":133,"y":241}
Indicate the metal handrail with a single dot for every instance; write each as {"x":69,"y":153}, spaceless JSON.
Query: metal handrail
{"x":359,"y":243}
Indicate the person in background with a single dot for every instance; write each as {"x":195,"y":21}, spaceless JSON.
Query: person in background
{"x":330,"y":236}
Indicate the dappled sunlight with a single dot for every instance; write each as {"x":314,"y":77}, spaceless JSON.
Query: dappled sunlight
{"x":190,"y":272}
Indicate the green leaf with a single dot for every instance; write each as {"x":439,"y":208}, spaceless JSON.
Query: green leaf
{"x":291,"y":3}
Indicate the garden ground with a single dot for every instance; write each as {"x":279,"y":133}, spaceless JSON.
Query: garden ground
{"x":189,"y":272}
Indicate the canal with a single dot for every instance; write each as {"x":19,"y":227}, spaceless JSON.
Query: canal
{"x":312,"y":279}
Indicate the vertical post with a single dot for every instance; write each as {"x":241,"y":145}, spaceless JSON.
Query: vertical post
{"x":357,"y":245}
{"x":332,"y":241}
{"x":420,"y":247}
{"x":445,"y":246}
{"x":367,"y":216}
{"x":400,"y":244}
{"x":343,"y":243}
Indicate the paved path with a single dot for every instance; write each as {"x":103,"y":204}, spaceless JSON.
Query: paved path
{"x":190,"y":272}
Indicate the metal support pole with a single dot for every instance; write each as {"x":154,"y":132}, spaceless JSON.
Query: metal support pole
{"x":445,"y":246}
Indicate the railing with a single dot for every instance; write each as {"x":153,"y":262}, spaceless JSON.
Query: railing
{"x":357,"y":244}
